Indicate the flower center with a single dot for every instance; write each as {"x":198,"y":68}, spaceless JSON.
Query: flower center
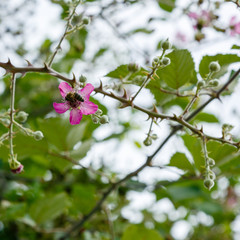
{"x":74,"y":99}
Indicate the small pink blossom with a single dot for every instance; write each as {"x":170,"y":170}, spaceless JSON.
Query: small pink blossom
{"x":203,"y":19}
{"x":234,"y":26}
{"x":17,"y":170}
{"x":181,"y":37}
{"x":77,"y":101}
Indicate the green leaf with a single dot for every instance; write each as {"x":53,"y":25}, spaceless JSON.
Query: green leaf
{"x":123,"y":72}
{"x":193,"y":144}
{"x":180,"y":160}
{"x":223,"y":60}
{"x":206,"y":117}
{"x":235,"y":46}
{"x":83,"y":197}
{"x":180,"y":71}
{"x":48,"y":208}
{"x":140,"y":232}
{"x":167,"y":5}
{"x":82,"y":150}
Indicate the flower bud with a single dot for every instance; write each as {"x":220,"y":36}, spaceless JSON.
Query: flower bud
{"x":166,"y":61}
{"x":200,"y":84}
{"x":154,"y":136}
{"x":104,"y":119}
{"x":199,"y":36}
{"x":86,"y":20}
{"x":82,"y":79}
{"x":147,"y":141}
{"x":133,"y":67}
{"x":211,"y":162}
{"x":22,"y":116}
{"x":17,"y":170}
{"x":166,"y":45}
{"x":208,"y":183}
{"x":214,"y":83}
{"x":95,"y":119}
{"x":38,"y":135}
{"x":98,"y":112}
{"x":214,"y":67}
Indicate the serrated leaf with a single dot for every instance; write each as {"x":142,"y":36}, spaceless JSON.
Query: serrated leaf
{"x":223,"y":60}
{"x":180,"y":161}
{"x":180,"y":71}
{"x":140,"y":232}
{"x":48,"y":208}
{"x":122,"y":71}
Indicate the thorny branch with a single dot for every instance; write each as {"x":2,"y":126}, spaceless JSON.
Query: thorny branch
{"x":127,"y":102}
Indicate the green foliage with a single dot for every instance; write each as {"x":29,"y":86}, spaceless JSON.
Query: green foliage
{"x":223,"y":60}
{"x":167,"y":5}
{"x":140,"y":232}
{"x":180,"y":71}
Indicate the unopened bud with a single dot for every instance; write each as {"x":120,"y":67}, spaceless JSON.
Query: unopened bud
{"x":17,"y":170}
{"x":208,"y":183}
{"x":95,"y":119}
{"x":104,"y":119}
{"x":154,"y":136}
{"x":5,"y":121}
{"x":166,"y":45}
{"x":99,"y":112}
{"x":214,"y":83}
{"x":82,"y":79}
{"x":86,"y":20}
{"x":133,"y":67}
{"x":214,"y":67}
{"x":211,"y":162}
{"x":166,"y":61}
{"x":22,"y":116}
{"x":38,"y":135}
{"x":200,"y":84}
{"x":147,"y":141}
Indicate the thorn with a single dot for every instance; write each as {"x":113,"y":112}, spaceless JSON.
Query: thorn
{"x":28,"y":63}
{"x":125,"y":94}
{"x":201,"y":129}
{"x":123,"y":105}
{"x":155,"y":108}
{"x":74,"y":77}
{"x":101,"y":85}
{"x":9,"y":62}
{"x":46,"y":66}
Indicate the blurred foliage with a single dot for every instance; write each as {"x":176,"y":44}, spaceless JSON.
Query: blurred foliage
{"x":64,"y":174}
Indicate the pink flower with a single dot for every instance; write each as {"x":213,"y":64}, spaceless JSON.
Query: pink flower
{"x":77,"y":101}
{"x":17,"y":170}
{"x":234,"y":26}
{"x":202,"y":20}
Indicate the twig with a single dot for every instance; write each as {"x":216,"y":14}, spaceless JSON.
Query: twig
{"x":12,"y":112}
{"x":66,"y":32}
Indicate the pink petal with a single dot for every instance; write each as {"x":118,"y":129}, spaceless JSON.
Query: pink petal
{"x":237,"y":28}
{"x":193,"y":15}
{"x":64,"y":88}
{"x":75,"y":116}
{"x":232,"y":20}
{"x":88,"y":107}
{"x":61,"y":107}
{"x":86,"y":91}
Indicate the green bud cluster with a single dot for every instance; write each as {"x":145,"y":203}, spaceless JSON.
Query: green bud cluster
{"x":209,"y":174}
{"x":149,"y":139}
{"x":98,"y":118}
